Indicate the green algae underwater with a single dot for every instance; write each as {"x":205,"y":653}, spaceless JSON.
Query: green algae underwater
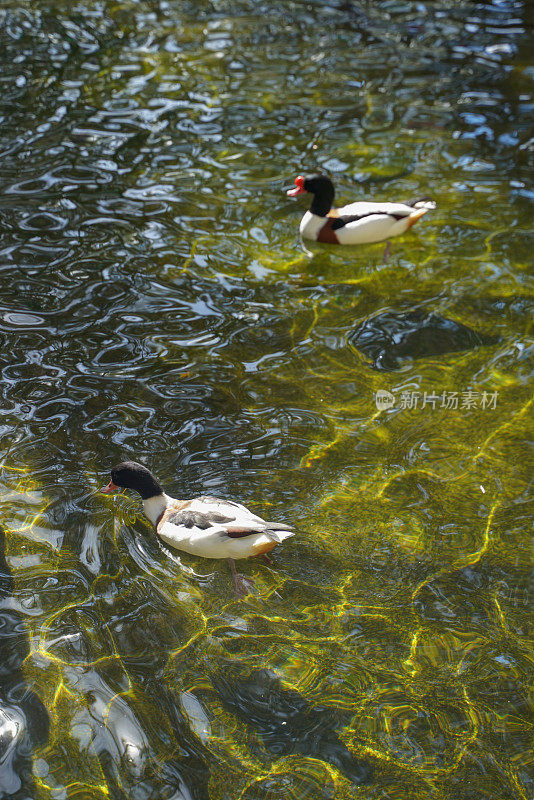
{"x":158,"y":304}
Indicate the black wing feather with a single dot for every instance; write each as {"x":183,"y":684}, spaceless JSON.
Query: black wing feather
{"x":196,"y":519}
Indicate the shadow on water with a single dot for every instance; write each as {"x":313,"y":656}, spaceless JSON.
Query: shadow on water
{"x":285,"y":722}
{"x":24,"y":721}
{"x":387,"y":338}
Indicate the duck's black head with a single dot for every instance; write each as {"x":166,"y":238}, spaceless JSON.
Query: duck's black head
{"x":322,"y":189}
{"x":132,"y":475}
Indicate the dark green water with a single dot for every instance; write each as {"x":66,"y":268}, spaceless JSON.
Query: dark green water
{"x":157,"y":304}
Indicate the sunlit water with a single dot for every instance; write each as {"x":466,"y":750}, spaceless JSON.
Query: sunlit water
{"x":157,"y":304}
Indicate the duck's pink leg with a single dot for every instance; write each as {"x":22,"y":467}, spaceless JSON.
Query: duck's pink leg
{"x":387,"y":252}
{"x":242,"y":585}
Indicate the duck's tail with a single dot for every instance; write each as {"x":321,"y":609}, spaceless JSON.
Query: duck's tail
{"x":420,"y":206}
{"x":422,"y":202}
{"x":278,"y":531}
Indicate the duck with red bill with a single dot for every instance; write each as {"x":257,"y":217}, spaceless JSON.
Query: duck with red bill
{"x":109,"y":488}
{"x":363,"y":222}
{"x":299,"y":183}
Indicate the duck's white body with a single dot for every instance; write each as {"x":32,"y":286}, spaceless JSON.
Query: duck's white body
{"x":365,"y":223}
{"x":357,"y":223}
{"x":212,"y":528}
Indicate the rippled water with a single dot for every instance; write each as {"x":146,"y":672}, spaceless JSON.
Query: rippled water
{"x":157,"y":304}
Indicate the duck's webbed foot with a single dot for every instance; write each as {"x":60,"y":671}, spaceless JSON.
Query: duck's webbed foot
{"x":242,"y":585}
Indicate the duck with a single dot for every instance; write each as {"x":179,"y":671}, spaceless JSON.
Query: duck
{"x":362,"y":222}
{"x":204,"y":526}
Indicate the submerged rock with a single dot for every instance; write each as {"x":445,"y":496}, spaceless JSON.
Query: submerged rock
{"x":391,"y":336}
{"x":287,"y":723}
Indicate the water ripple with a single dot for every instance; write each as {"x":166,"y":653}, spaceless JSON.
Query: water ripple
{"x":158,"y":305}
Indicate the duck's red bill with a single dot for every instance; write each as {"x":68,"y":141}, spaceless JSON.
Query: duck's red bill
{"x":109,"y":488}
{"x":299,"y":184}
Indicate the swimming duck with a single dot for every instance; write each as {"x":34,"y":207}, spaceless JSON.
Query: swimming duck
{"x":357,"y":223}
{"x":205,"y":526}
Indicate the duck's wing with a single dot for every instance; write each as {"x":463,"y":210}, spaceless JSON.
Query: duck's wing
{"x":211,"y":515}
{"x":355,"y":212}
{"x":365,"y":223}
{"x":421,"y":202}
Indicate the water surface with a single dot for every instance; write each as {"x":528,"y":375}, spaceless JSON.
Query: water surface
{"x":157,"y":304}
